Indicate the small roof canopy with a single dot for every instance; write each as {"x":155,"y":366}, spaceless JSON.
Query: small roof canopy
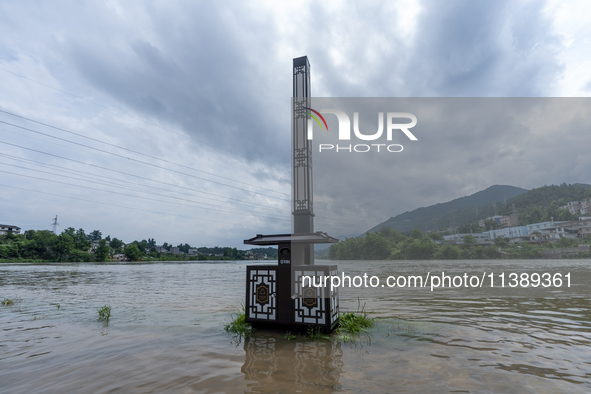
{"x":305,"y":238}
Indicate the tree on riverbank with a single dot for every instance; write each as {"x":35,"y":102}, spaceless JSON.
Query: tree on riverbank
{"x":102,"y":252}
{"x":132,"y":252}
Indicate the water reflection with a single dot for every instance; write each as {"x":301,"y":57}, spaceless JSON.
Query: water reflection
{"x":274,"y":364}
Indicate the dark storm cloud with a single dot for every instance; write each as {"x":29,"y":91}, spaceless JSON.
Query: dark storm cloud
{"x":203,"y":69}
{"x":210,"y":69}
{"x":495,"y":48}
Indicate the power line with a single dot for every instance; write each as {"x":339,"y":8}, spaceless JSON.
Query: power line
{"x":142,"y":162}
{"x":147,"y":122}
{"x":161,"y":182}
{"x":130,"y":188}
{"x":74,"y":172}
{"x":128,"y":150}
{"x":138,"y":161}
{"x":114,"y":205}
{"x":126,"y":114}
{"x":146,"y":192}
{"x":123,"y":173}
{"x":131,"y":195}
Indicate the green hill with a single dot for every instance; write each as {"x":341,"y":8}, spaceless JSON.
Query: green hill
{"x":533,"y":206}
{"x":465,"y":210}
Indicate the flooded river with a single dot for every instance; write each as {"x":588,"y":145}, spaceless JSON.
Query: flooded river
{"x":166,"y":332}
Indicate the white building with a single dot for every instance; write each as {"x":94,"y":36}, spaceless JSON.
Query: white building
{"x":546,"y":231}
{"x":509,"y":232}
{"x":579,"y":207}
{"x":193,"y":252}
{"x":8,"y":228}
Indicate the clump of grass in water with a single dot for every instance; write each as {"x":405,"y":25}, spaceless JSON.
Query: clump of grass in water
{"x":7,"y":302}
{"x":10,"y":301}
{"x":354,"y":323}
{"x":316,"y":334}
{"x":289,"y":336}
{"x":238,"y":325}
{"x":104,"y":313}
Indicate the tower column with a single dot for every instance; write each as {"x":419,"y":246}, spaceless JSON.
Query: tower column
{"x":302,"y":192}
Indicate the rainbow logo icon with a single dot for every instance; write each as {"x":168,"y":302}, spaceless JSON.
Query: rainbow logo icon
{"x":315,"y":118}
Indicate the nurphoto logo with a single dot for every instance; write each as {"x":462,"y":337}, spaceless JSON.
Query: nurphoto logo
{"x":344,"y":131}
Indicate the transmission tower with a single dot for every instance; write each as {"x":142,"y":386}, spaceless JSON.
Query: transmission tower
{"x":54,"y":225}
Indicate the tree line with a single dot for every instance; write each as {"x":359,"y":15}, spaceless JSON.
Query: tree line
{"x":75,"y":246}
{"x":390,"y":244}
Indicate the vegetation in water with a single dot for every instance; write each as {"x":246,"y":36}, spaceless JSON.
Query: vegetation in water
{"x":104,"y":313}
{"x":316,"y":334}
{"x":7,"y":302}
{"x":352,"y":324}
{"x":289,"y":336}
{"x":238,"y":324}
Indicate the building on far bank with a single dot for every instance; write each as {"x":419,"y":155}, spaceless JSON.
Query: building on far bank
{"x":8,"y":228}
{"x":503,"y":221}
{"x":94,"y":245}
{"x":579,"y":207}
{"x":535,"y":232}
{"x":496,"y":218}
{"x":193,"y":252}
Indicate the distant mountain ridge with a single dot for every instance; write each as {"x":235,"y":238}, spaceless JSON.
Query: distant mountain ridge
{"x":465,"y":210}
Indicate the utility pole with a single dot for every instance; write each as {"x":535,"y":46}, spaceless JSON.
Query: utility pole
{"x":54,"y":224}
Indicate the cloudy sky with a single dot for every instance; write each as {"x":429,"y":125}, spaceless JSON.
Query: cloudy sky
{"x":171,"y":120}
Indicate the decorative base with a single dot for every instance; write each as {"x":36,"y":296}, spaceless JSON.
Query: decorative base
{"x":293,"y":303}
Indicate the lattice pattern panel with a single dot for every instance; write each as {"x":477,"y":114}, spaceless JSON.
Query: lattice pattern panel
{"x":310,"y":301}
{"x":261,"y":293}
{"x":334,"y":300}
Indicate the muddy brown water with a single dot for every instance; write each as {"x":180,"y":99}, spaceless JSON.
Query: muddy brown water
{"x":166,"y":332}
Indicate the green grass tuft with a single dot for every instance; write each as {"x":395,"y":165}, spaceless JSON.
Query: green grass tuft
{"x":316,"y":334}
{"x":238,"y":325}
{"x":354,"y":323}
{"x":7,"y":302}
{"x":104,"y":313}
{"x":289,"y":336}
